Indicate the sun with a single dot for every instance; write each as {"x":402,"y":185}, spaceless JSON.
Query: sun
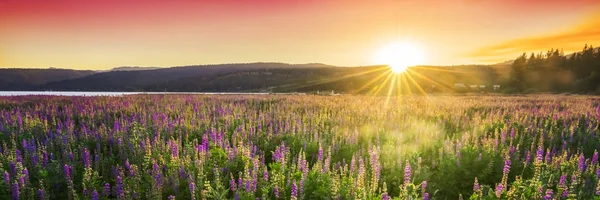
{"x":400,"y":56}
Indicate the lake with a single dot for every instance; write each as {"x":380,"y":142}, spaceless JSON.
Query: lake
{"x":57,"y":93}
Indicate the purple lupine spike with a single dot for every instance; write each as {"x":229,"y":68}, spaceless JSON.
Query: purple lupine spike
{"x":232,"y":185}
{"x":565,"y":194}
{"x":549,"y":194}
{"x":171,"y":197}
{"x":581,"y":165}
{"x":44,"y":159}
{"x":12,"y":167}
{"x":539,"y":155}
{"x":41,"y":195}
{"x":423,"y":185}
{"x":276,"y":191}
{"x":70,"y":156}
{"x":6,"y":178}
{"x":119,"y":188}
{"x":86,"y":158}
{"x":506,"y":166}
{"x":24,"y":144}
{"x":15,"y":191}
{"x":157,"y":174}
{"x":407,"y":173}
{"x":18,"y":156}
{"x":385,"y":196}
{"x":266,"y":175}
{"x":127,"y":165}
{"x":34,"y":159}
{"x":247,"y":188}
{"x":26,"y":174}
{"x":95,"y":195}
{"x":68,"y":171}
{"x":320,"y":154}
{"x":174,"y":149}
{"x":193,"y":190}
{"x":182,"y":173}
{"x":476,"y":186}
{"x":499,"y":190}
{"x":22,"y":182}
{"x":562,"y":181}
{"x":106,"y":191}
{"x":594,"y":158}
{"x":426,"y":196}
{"x":294,"y":190}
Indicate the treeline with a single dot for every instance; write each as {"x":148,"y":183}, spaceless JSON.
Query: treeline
{"x":553,"y":71}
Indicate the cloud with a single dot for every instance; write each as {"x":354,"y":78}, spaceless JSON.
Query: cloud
{"x":570,"y":40}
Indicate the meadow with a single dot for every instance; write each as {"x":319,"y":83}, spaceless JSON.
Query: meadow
{"x":299,"y":147}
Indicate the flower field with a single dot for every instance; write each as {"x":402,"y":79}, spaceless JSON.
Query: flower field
{"x":299,"y":147}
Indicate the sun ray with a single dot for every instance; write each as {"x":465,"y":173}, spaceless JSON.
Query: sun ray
{"x":410,"y":78}
{"x":431,"y":81}
{"x":372,"y":81}
{"x":387,"y":78}
{"x":391,"y":88}
{"x":328,"y":79}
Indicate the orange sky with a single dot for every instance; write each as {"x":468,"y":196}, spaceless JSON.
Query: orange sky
{"x":109,"y":33}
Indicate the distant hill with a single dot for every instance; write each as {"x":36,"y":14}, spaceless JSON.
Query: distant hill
{"x":134,"y":68}
{"x":141,"y":79}
{"x":254,"y":77}
{"x":27,"y":79}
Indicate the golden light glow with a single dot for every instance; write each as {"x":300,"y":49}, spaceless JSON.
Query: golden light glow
{"x":400,"y":56}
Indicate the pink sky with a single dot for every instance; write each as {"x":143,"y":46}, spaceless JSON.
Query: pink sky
{"x":104,"y":34}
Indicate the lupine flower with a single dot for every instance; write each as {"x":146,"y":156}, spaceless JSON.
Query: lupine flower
{"x":581,"y":165}
{"x":549,"y":194}
{"x":539,"y":155}
{"x":423,"y":186}
{"x":106,"y":191}
{"x":476,"y":186}
{"x":407,"y":173}
{"x":86,"y":158}
{"x":22,"y":182}
{"x":266,"y":175}
{"x":232,"y":184}
{"x":119,"y":188}
{"x":385,"y":196}
{"x":95,"y":195}
{"x":594,"y":158}
{"x":68,"y":171}
{"x":499,"y":190}
{"x":426,"y":196}
{"x":15,"y":191}
{"x":41,"y":195}
{"x":171,"y":197}
{"x":565,"y":194}
{"x":18,"y":155}
{"x":13,"y":168}
{"x":6,"y":178}
{"x":294,"y":190}
{"x":276,"y":191}
{"x":193,"y":190}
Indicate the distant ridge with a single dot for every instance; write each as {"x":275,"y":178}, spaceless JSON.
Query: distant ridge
{"x":132,"y":68}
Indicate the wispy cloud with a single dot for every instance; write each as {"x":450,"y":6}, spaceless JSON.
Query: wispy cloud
{"x":572,"y":39}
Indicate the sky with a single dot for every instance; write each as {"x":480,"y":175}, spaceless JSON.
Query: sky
{"x":94,"y":34}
